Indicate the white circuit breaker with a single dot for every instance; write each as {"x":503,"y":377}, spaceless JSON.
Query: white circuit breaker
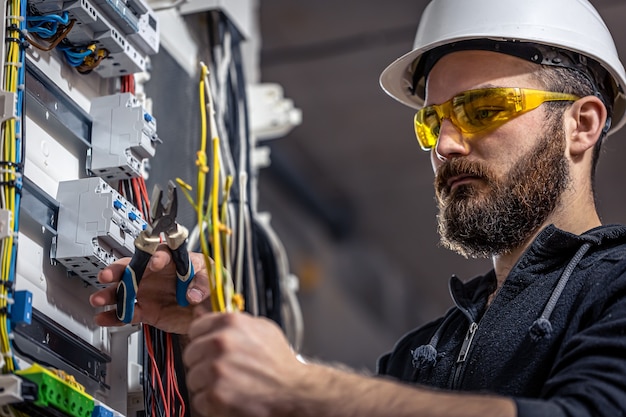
{"x":96,"y":226}
{"x":123,"y":135}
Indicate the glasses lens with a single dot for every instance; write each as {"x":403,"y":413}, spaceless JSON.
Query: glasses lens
{"x":427,"y":124}
{"x":481,"y":109}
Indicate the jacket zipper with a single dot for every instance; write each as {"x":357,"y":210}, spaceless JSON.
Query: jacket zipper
{"x":460,"y":361}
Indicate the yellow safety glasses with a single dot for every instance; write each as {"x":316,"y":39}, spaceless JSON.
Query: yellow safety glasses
{"x":477,"y":110}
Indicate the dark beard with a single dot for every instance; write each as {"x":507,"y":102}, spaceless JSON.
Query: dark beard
{"x":482,"y":223}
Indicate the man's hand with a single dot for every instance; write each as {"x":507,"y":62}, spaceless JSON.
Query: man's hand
{"x":156,"y":296}
{"x":240,"y":365}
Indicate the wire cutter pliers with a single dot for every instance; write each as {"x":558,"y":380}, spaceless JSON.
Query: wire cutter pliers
{"x":146,"y":244}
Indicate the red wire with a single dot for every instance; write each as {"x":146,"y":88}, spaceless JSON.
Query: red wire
{"x":170,"y":361}
{"x":127,"y":84}
{"x":144,"y":193}
{"x":155,"y":368}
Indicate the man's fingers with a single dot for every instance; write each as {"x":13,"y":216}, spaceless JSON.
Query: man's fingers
{"x":104,"y":297}
{"x":160,"y":259}
{"x":113,"y":273}
{"x":198,"y":289}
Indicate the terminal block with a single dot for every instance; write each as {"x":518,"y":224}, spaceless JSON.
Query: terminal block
{"x":95,"y":227}
{"x":59,"y":391}
{"x":124,"y":58}
{"x":94,"y":28}
{"x":136,"y":19}
{"x":123,"y":135}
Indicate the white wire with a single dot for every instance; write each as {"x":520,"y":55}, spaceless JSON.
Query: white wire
{"x":287,"y":286}
{"x":240,"y":237}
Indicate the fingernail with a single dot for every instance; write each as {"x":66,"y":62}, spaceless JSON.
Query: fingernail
{"x":195,"y":295}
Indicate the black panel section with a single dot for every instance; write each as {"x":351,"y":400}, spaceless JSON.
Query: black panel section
{"x":177,"y":111}
{"x":39,"y":206}
{"x":47,"y":102}
{"x":50,"y":344}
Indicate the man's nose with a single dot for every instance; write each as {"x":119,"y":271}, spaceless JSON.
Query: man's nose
{"x":451,"y":141}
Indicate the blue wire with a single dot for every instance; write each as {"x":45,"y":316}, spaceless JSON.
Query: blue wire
{"x":74,"y":58}
{"x":47,"y":26}
{"x":44,"y":32}
{"x":64,"y":19}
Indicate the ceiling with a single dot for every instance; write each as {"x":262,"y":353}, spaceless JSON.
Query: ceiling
{"x":350,"y":191}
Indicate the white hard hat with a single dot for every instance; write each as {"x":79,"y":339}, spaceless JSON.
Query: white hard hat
{"x":509,"y":25}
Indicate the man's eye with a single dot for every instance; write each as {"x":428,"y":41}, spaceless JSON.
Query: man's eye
{"x":486,"y":113}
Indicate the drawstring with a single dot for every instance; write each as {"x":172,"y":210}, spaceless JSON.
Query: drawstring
{"x":542,"y":327}
{"x":426,"y":355}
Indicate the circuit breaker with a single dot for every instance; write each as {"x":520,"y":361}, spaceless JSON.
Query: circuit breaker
{"x":123,"y":135}
{"x":96,"y":226}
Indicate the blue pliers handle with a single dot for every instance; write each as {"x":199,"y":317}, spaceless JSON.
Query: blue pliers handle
{"x":126,"y":292}
{"x":177,"y":242}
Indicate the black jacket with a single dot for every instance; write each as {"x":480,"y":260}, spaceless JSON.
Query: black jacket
{"x":553,"y":339}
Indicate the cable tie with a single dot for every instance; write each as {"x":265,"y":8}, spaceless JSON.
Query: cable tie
{"x":18,"y":65}
{"x":6,"y":284}
{"x":11,"y":39}
{"x":19,"y":165}
{"x":8,"y":299}
{"x":7,"y":171}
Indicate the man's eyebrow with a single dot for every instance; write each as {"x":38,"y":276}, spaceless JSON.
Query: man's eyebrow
{"x":480,"y":87}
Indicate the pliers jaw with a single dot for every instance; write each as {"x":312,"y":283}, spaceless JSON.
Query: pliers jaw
{"x":164,"y":215}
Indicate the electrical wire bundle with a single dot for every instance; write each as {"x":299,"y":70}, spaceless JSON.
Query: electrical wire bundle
{"x":11,"y":167}
{"x":46,"y":32}
{"x":214,"y":216}
{"x":250,"y":270}
{"x":222,"y":204}
{"x":161,"y":379}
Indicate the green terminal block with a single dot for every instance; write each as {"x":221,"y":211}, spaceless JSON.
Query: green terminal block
{"x":55,"y":392}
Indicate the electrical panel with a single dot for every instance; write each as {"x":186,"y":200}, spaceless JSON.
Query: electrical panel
{"x":78,"y":137}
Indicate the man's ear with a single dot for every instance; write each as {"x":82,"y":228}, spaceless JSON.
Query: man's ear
{"x":584,"y":123}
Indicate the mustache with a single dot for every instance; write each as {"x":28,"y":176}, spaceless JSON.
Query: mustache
{"x":458,"y":167}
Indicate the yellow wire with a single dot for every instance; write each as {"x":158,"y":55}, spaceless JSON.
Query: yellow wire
{"x":235,"y":299}
{"x":9,"y":175}
{"x":215,"y":232}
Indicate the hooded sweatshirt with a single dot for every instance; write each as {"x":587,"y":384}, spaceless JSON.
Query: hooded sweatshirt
{"x":553,"y":339}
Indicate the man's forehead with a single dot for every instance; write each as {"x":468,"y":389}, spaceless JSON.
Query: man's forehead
{"x":464,"y":70}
